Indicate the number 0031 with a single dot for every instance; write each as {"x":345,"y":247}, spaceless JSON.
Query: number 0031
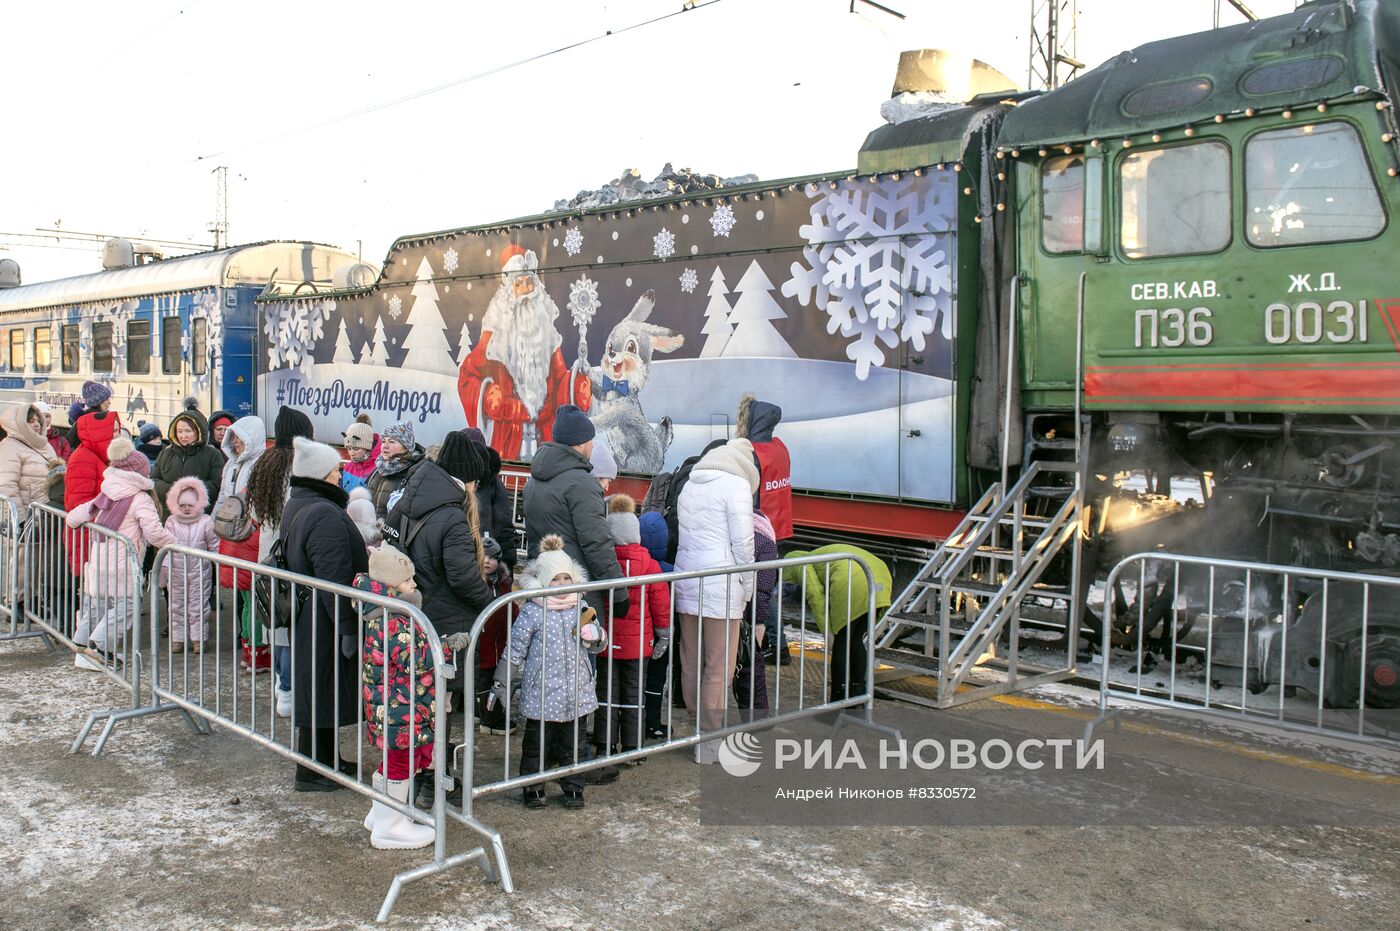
{"x":1310,"y":322}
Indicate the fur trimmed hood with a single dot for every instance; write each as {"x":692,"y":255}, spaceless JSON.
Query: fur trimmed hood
{"x":182,"y":485}
{"x":757,"y":419}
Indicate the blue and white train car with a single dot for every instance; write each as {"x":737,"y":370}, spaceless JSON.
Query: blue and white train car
{"x":155,"y":333}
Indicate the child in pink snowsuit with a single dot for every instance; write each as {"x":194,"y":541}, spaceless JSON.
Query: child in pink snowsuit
{"x":188,"y":579}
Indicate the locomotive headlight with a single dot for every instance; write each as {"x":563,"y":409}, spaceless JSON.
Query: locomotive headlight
{"x":1126,"y":438}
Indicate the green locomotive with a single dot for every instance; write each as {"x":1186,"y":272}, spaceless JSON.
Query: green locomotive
{"x":1191,"y":246}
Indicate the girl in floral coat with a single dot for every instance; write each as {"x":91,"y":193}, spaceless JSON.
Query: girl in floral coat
{"x":399,"y":697}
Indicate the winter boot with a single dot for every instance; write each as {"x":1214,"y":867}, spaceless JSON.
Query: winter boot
{"x":377,"y":781}
{"x":258,"y":659}
{"x":394,"y":830}
{"x":308,"y":780}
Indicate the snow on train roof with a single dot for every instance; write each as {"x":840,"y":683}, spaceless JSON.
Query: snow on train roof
{"x":288,"y":260}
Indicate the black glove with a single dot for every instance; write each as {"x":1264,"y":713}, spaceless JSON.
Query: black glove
{"x":621,"y":602}
{"x":347,"y":646}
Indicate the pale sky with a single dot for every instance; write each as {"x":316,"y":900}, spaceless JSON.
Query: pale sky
{"x":117,"y":113}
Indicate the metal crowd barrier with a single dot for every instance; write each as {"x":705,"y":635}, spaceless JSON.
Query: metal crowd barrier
{"x":96,"y":613}
{"x":1300,"y":649}
{"x":12,"y":551}
{"x":209,"y":685}
{"x":487,"y":760}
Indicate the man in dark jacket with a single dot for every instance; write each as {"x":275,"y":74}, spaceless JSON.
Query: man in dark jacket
{"x":563,"y":497}
{"x":320,"y":540}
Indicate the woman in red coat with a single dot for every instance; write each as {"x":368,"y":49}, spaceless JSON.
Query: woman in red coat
{"x":642,"y":633}
{"x":85,"y":469}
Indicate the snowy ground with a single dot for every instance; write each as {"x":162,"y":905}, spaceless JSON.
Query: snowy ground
{"x":172,"y":830}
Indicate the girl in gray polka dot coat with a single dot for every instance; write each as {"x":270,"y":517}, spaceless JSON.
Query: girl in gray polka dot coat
{"x":549,"y":665}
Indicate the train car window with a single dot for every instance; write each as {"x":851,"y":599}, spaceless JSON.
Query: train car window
{"x":1164,"y":98}
{"x":17,"y":339}
{"x":69,"y":350}
{"x":1176,"y":201}
{"x":1062,"y":203}
{"x":138,"y":347}
{"x":199,"y":346}
{"x":171,"y":347}
{"x":102,"y":347}
{"x":1296,"y":75}
{"x":43,"y":349}
{"x":1309,"y":184}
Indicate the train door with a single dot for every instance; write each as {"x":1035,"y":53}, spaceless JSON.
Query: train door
{"x":236,"y":361}
{"x":1064,"y":199}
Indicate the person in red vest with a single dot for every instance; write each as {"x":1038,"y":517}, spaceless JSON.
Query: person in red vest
{"x":514,"y":379}
{"x":756,"y":422}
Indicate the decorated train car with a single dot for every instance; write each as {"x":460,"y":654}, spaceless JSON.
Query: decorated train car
{"x":1190,"y":246}
{"x":835,"y":297}
{"x":156,"y":332}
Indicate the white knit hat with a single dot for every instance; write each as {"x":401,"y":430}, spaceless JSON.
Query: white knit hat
{"x":551,"y":561}
{"x":313,"y":460}
{"x":735,"y":458}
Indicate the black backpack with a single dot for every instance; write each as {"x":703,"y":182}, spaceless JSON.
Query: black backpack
{"x":659,"y":492}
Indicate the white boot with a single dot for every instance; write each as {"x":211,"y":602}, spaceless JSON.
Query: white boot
{"x":377,"y":780}
{"x":284,"y":703}
{"x":395,"y":831}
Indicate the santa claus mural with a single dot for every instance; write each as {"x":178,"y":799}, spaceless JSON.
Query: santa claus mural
{"x":515,"y":378}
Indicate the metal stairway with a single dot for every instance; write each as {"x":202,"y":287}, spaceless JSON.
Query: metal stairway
{"x":976,"y":586}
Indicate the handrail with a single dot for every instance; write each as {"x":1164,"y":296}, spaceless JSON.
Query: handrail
{"x":1016,"y":586}
{"x":993,"y":520}
{"x":1010,"y":377}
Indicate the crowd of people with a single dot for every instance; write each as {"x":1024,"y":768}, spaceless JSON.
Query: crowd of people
{"x":433,"y":527}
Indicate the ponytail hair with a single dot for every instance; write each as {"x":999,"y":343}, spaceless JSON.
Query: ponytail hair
{"x":474,"y":521}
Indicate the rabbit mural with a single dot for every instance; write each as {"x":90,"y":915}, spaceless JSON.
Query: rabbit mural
{"x":617,"y":384}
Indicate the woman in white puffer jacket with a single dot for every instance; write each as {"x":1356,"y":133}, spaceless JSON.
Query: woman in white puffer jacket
{"x":716,"y":529}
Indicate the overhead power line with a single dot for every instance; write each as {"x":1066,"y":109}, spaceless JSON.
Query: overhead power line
{"x":689,"y":7}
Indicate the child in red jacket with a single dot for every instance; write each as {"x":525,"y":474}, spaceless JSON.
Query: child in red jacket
{"x":643,"y":633}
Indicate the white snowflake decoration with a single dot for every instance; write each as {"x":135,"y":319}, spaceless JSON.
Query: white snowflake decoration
{"x":663,"y":244}
{"x":395,"y":306}
{"x":449,"y":261}
{"x":689,"y":279}
{"x":573,"y":241}
{"x":206,"y":307}
{"x":293,"y":329}
{"x":723,"y":220}
{"x":583,"y":300}
{"x":874,"y":266}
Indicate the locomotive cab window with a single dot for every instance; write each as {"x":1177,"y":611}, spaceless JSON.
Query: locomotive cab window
{"x":69,"y":348}
{"x":1309,"y":184}
{"x":1176,"y":201}
{"x":17,"y":338}
{"x":43,"y":349}
{"x":170,"y":345}
{"x":199,"y":346}
{"x":1062,"y":204}
{"x":102,"y":347}
{"x":138,"y":347}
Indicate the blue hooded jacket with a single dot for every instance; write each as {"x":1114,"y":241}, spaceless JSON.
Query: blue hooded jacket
{"x":655,"y":538}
